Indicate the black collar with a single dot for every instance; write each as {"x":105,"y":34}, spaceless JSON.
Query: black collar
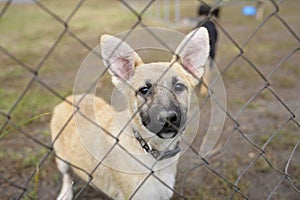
{"x":157,"y":155}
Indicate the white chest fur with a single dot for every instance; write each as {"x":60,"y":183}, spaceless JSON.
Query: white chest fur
{"x":158,"y":186}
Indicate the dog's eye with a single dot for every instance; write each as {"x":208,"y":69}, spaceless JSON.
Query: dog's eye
{"x":179,"y":87}
{"x":146,"y":90}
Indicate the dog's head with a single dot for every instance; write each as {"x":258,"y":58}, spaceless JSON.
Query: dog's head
{"x":158,"y":93}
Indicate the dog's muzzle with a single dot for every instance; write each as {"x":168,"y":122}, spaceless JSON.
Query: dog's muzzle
{"x":164,"y":123}
{"x":169,"y":121}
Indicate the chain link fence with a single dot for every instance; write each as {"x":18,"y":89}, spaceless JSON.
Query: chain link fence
{"x":257,"y":155}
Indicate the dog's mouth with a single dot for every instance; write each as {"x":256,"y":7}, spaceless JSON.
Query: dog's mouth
{"x":167,"y":135}
{"x":170,"y":128}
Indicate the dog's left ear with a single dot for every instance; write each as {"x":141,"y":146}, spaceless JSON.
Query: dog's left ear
{"x":193,"y":52}
{"x":120,"y":59}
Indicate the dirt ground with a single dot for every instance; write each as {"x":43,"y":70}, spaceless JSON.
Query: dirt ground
{"x":262,"y":86}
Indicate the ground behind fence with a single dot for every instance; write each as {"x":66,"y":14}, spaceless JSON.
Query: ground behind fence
{"x":43,"y":44}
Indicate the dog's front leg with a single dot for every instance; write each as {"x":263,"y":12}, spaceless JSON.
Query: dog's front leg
{"x":66,"y":192}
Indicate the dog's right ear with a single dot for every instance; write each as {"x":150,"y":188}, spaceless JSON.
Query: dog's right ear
{"x":120,"y":59}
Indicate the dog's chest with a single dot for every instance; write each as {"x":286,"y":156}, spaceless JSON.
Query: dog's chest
{"x":157,"y":186}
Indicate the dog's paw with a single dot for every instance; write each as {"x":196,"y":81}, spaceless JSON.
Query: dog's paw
{"x":65,"y":195}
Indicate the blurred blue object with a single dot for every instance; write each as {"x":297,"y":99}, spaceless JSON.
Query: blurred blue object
{"x":249,"y":11}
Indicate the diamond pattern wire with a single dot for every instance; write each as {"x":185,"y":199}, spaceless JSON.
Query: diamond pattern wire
{"x":290,"y":175}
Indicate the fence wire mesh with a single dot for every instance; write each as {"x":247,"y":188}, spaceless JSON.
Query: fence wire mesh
{"x":257,"y":155}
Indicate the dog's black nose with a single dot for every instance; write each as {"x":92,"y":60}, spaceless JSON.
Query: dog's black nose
{"x":163,"y":122}
{"x":168,"y":119}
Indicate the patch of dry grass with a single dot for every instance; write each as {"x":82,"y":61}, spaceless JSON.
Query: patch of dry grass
{"x":28,"y":33}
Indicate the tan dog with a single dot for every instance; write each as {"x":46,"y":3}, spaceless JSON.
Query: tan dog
{"x":130,"y":154}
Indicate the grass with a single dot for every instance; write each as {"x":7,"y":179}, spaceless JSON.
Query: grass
{"x":28,"y":33}
{"x":284,"y":81}
{"x":284,"y":140}
{"x":32,"y":43}
{"x":217,"y":188}
{"x":27,"y":158}
{"x":242,"y":102}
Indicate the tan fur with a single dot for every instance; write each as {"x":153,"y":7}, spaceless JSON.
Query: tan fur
{"x":69,"y":147}
{"x":84,"y":141}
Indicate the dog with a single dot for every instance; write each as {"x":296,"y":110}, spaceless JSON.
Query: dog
{"x":133,"y":153}
{"x":204,"y":12}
